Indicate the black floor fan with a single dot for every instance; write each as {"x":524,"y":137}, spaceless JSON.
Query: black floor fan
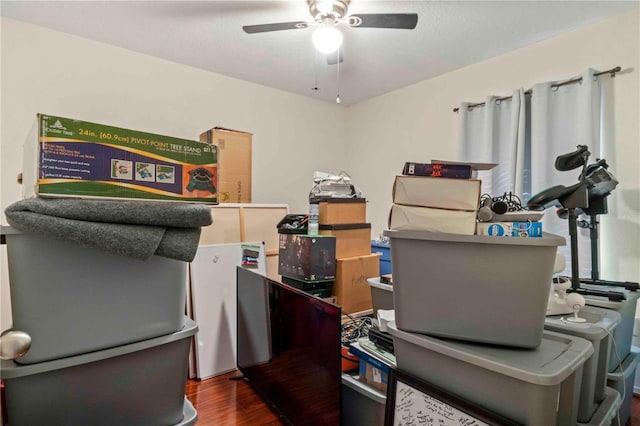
{"x":589,"y":197}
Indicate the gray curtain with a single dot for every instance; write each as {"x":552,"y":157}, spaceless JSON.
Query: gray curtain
{"x":495,"y":133}
{"x":561,"y":119}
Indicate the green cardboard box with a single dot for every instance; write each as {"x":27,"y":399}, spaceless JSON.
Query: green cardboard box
{"x":65,"y":157}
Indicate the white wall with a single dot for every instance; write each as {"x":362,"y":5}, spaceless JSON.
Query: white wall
{"x":417,"y":123}
{"x":55,"y":73}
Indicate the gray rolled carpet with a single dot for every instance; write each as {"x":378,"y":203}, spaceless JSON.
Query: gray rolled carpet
{"x":137,"y":229}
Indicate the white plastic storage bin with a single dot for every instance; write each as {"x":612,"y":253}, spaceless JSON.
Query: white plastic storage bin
{"x":597,"y":329}
{"x":381,"y":295}
{"x":606,"y":413}
{"x":72,"y":299}
{"x":472,"y":287}
{"x":622,"y":380}
{"x":361,"y":404}
{"x":138,"y":384}
{"x":535,"y":387}
{"x":623,"y":334}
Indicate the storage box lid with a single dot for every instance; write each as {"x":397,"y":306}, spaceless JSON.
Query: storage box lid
{"x":346,"y":226}
{"x":380,"y":245}
{"x":607,"y":410}
{"x":11,"y":370}
{"x":375,"y":282}
{"x":365,"y":390}
{"x":546,"y":240}
{"x":599,"y":323}
{"x":555,"y":359}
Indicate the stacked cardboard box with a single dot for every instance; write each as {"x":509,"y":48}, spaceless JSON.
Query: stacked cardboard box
{"x":344,"y":219}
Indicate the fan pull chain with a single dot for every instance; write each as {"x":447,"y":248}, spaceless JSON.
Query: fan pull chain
{"x":338,"y":78}
{"x":315,"y":69}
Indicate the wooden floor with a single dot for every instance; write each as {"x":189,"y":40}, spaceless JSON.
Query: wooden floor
{"x":224,"y":402}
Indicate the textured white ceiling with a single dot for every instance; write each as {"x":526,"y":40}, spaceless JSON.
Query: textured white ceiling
{"x":209,"y":35}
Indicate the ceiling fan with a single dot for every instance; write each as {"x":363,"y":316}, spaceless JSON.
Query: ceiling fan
{"x":327,"y":14}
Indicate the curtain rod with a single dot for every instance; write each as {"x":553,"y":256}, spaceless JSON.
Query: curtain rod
{"x":612,"y":71}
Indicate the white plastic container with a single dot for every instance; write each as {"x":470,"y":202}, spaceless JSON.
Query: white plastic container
{"x":598,"y":328}
{"x":72,"y":299}
{"x":535,"y":387}
{"x":472,"y":287}
{"x":138,"y":384}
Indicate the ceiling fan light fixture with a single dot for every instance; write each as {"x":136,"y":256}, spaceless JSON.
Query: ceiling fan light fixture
{"x":327,"y":38}
{"x":324,"y":6}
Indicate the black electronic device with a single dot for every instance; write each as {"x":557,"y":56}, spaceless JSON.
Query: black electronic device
{"x":381,"y":339}
{"x":588,"y":196}
{"x":289,"y":349}
{"x":508,"y":202}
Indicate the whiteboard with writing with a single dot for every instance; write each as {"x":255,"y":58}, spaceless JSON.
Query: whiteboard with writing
{"x":415,"y":408}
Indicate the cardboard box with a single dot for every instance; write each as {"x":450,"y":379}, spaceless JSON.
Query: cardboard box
{"x":351,"y":240}
{"x":351,"y":289}
{"x":409,"y":218}
{"x":234,"y":159}
{"x":64,"y":157}
{"x":510,"y":229}
{"x":437,"y":192}
{"x":307,"y":257}
{"x":372,"y":370}
{"x":341,"y":211}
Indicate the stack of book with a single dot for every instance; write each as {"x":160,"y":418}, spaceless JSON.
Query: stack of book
{"x":436,"y":197}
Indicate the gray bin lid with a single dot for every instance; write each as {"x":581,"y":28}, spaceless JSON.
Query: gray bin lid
{"x":599,"y":323}
{"x":604,"y":302}
{"x":555,"y":359}
{"x":546,"y":240}
{"x":363,"y":389}
{"x":12,"y":370}
{"x":626,"y":368}
{"x":375,"y":282}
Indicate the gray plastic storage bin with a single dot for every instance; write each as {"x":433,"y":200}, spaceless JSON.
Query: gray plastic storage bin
{"x":597,"y":329}
{"x":623,"y":334}
{"x":361,"y":404}
{"x":381,"y":295}
{"x":532,"y":386}
{"x":606,"y":413}
{"x":139,"y":384}
{"x":472,"y":287}
{"x":622,"y":380}
{"x":72,"y":299}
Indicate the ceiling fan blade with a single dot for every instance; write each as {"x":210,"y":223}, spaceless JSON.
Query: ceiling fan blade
{"x":336,"y":57}
{"x":406,"y":21}
{"x":252,"y":29}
